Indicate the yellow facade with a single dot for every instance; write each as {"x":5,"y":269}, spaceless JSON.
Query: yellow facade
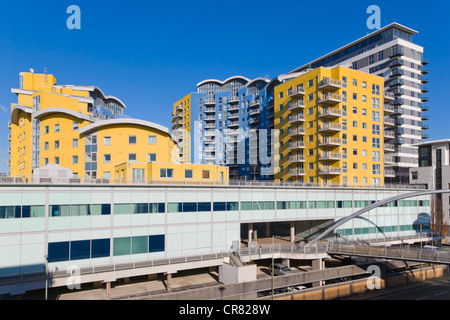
{"x":57,"y":124}
{"x":182,"y":126}
{"x":157,"y":172}
{"x":331,"y":128}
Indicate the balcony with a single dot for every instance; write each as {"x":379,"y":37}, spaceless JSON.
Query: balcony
{"x":425,"y":108}
{"x":425,"y":136}
{"x":210,"y":110}
{"x":425,"y":80}
{"x":9,"y":124}
{"x":178,"y":123}
{"x":389,"y":134}
{"x":330,"y":113}
{"x":234,"y":115}
{"x":389,"y":96}
{"x":296,"y":159}
{"x":389,"y":122}
{"x":233,"y":123}
{"x":330,"y":127}
{"x":179,"y":108}
{"x":330,"y":171}
{"x":330,"y":142}
{"x":330,"y":156}
{"x":254,"y":112}
{"x":396,"y":63}
{"x":425,"y":71}
{"x":209,"y":141}
{"x":397,"y":73}
{"x":210,"y":101}
{"x":396,"y":82}
{"x":233,"y":132}
{"x":209,"y":118}
{"x":233,"y":108}
{"x":330,"y":98}
{"x":297,"y":118}
{"x":388,"y":109}
{"x":425,"y":99}
{"x":425,"y":127}
{"x":397,"y":51}
{"x":425,"y":89}
{"x":9,"y":149}
{"x":389,"y":147}
{"x":255,"y":103}
{"x":9,"y":162}
{"x":330,"y":84}
{"x":253,"y":120}
{"x":425,"y":117}
{"x":298,"y":104}
{"x":209,"y":133}
{"x":297,"y":132}
{"x":389,"y":161}
{"x":233,"y":99}
{"x":210,"y":125}
{"x":297,"y":172}
{"x":296,"y":91}
{"x":389,"y":173}
{"x":297,"y":145}
{"x":398,"y":101}
{"x":9,"y":137}
{"x":398,"y":111}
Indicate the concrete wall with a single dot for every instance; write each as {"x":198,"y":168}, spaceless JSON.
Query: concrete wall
{"x":231,"y":274}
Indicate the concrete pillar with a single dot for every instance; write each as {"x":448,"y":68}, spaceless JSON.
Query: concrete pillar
{"x":268,"y":229}
{"x":250,"y":231}
{"x":292,"y":231}
{"x":286,"y":262}
{"x":318,"y":264}
{"x":108,"y":291}
{"x":169,"y":282}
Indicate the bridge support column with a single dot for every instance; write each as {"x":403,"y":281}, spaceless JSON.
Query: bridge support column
{"x":318,"y":264}
{"x":292,"y":231}
{"x":250,"y":232}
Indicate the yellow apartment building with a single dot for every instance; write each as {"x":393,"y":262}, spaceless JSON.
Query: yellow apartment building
{"x":330,"y":124}
{"x":81,"y":129}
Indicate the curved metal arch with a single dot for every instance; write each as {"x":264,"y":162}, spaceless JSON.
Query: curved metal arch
{"x":374,"y":206}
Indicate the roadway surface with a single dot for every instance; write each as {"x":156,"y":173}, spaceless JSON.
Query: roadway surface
{"x":436,"y":289}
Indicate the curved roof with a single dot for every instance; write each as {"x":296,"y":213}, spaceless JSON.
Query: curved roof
{"x":223,"y":82}
{"x":44,"y":112}
{"x":15,"y":110}
{"x":103,"y":123}
{"x":257,"y":80}
{"x":92,"y":88}
{"x":110,"y":97}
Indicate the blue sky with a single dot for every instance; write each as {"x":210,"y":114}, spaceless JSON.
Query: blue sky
{"x":151,"y":53}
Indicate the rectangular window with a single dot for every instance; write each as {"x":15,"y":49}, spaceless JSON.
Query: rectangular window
{"x":56,"y":160}
{"x":151,"y":139}
{"x":166,"y":173}
{"x":56,"y":127}
{"x":106,"y":158}
{"x":106,"y":141}
{"x":74,"y":159}
{"x":131,"y":139}
{"x":57,"y":144}
{"x":151,"y":157}
{"x":74,"y":143}
{"x":205,"y":174}
{"x":188,"y":174}
{"x":132,"y":157}
{"x":74,"y":125}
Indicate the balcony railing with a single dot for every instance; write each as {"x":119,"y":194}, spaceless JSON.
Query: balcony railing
{"x":292,"y":105}
{"x":297,"y":172}
{"x":210,"y":101}
{"x":294,"y":159}
{"x":330,"y":84}
{"x":389,"y":134}
{"x":388,"y":108}
{"x":389,"y":173}
{"x":389,"y":96}
{"x":330,"y":126}
{"x":330,"y":98}
{"x":389,"y":147}
{"x":297,"y":132}
{"x":330,"y":170}
{"x":296,"y":91}
{"x":297,"y":118}
{"x":330,"y":112}
{"x":330,"y":141}
{"x":297,"y":145}
{"x":330,"y":156}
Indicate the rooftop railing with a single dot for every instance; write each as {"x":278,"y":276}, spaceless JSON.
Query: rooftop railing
{"x":20,"y":180}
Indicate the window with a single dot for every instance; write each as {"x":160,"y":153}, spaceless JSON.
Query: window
{"x":57,"y":144}
{"x":364,"y":85}
{"x":107,"y":175}
{"x":355,"y":124}
{"x":355,"y":137}
{"x":376,"y":143}
{"x":46,"y":161}
{"x":375,"y":89}
{"x":355,"y":82}
{"x":74,"y":125}
{"x":74,"y":143}
{"x":56,"y":160}
{"x":56,"y":127}
{"x":74,"y":159}
{"x":376,"y":169}
{"x":131,"y":139}
{"x":151,"y":139}
{"x":106,"y":141}
{"x":311,"y":97}
{"x":414,"y":175}
{"x":371,"y":59}
{"x":310,"y":83}
{"x":376,"y":129}
{"x":205,"y":174}
{"x":281,"y":94}
{"x":355,"y":96}
{"x":376,"y":156}
{"x":106,"y":158}
{"x":375,"y":103}
{"x":46,"y":129}
{"x":166,"y":173}
{"x":375,"y":116}
{"x":132,"y":157}
{"x":46,"y":145}
{"x":355,"y":110}
{"x":151,"y":157}
{"x":188,"y":174}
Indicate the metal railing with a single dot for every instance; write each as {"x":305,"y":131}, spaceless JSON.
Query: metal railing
{"x":7,"y":180}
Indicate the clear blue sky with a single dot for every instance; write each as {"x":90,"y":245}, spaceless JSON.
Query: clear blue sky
{"x":151,"y":53}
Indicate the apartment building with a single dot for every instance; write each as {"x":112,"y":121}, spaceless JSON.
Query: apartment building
{"x":81,"y":129}
{"x":215,"y":125}
{"x":391,"y":54}
{"x":331,"y":128}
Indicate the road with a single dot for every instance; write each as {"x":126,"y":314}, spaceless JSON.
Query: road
{"x":436,"y":289}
